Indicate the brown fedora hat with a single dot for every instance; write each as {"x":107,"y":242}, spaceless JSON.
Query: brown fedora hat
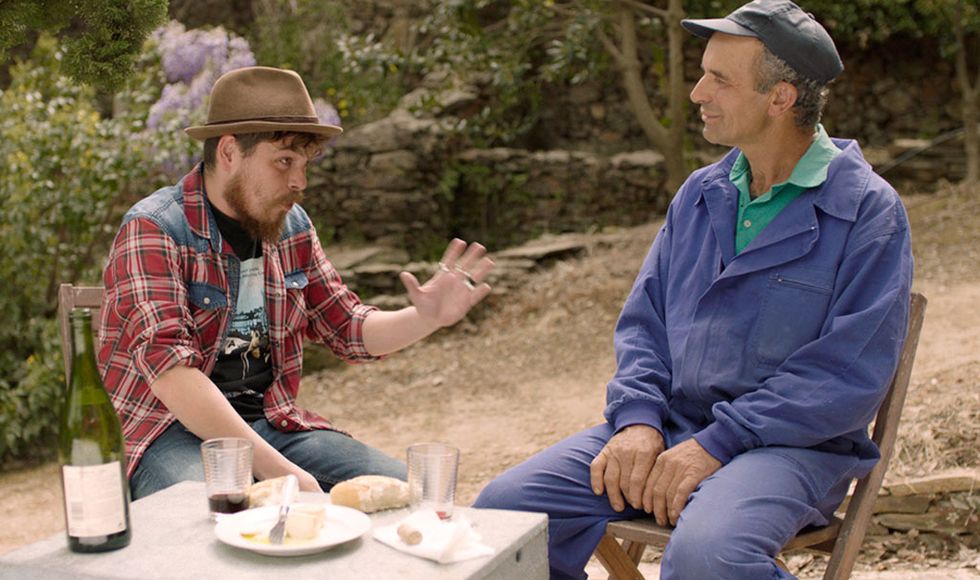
{"x":257,"y":99}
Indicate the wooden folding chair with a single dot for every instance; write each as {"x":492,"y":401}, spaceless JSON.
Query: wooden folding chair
{"x":71,"y":297}
{"x":842,"y":538}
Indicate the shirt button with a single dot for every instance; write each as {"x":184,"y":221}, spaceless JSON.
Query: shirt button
{"x":207,"y":300}
{"x":295,"y":284}
{"x":747,"y":223}
{"x":284,"y":422}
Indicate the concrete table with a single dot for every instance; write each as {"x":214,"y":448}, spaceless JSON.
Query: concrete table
{"x":173,"y":538}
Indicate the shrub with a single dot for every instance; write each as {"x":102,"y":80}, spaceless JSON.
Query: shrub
{"x":63,"y":172}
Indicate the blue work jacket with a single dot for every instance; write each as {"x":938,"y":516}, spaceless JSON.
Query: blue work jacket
{"x":792,"y":342}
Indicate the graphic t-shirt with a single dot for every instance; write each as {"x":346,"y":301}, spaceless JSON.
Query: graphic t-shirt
{"x":244,"y":368}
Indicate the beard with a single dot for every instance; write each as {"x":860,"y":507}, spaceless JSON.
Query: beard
{"x":265,"y":226}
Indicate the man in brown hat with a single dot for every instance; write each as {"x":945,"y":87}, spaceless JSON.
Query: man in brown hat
{"x":212,"y":286}
{"x":760,"y":335}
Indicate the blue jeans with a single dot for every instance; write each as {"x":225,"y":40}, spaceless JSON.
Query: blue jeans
{"x":733,"y":526}
{"x":328,"y":456}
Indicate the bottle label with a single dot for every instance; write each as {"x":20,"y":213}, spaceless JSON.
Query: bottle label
{"x":94,"y":499}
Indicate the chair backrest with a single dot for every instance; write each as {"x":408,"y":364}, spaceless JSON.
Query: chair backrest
{"x":76,"y":297}
{"x":858,"y":514}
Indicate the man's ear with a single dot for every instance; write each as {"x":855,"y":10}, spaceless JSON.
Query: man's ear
{"x":782,"y":99}
{"x":228,"y":153}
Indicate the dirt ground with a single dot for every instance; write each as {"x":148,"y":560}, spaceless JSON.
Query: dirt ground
{"x":530,"y":367}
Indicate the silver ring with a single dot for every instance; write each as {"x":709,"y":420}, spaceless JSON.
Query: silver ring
{"x":463,"y":272}
{"x":443,"y":267}
{"x":469,"y":283}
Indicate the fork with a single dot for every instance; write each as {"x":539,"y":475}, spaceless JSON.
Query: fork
{"x":278,"y":531}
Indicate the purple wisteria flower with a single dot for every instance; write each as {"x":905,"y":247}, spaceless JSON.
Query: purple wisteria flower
{"x":327,"y":114}
{"x":192,"y":61}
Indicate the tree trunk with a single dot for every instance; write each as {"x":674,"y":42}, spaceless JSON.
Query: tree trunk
{"x":971,"y":104}
{"x":676,"y":168}
{"x":670,"y":141}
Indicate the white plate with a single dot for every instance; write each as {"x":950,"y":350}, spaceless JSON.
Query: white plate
{"x":342,"y":525}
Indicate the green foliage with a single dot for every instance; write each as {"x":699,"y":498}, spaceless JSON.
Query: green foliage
{"x":63,"y":173}
{"x":943,"y":17}
{"x":492,"y":204}
{"x":103,"y":38}
{"x":360,"y":77}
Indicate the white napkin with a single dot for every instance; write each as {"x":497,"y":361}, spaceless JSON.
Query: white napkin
{"x":444,"y":541}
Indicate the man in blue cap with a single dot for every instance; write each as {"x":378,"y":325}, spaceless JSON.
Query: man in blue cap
{"x":760,"y":335}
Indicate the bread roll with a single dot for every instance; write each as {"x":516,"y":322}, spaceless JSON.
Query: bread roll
{"x":266,"y":492}
{"x":370,"y":493}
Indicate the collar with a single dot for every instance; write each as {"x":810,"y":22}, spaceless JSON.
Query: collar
{"x":197,"y":209}
{"x":810,"y":170}
{"x":840,"y":195}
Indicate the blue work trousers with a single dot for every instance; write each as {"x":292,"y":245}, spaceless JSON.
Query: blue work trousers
{"x":328,"y":456}
{"x":733,"y":526}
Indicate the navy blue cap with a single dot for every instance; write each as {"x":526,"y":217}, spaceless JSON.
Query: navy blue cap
{"x":787,"y":31}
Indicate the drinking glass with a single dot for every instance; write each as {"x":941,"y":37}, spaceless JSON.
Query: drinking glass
{"x":432,"y":469}
{"x":227,"y":474}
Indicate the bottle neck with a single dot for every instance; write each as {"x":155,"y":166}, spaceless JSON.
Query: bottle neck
{"x":82,"y":346}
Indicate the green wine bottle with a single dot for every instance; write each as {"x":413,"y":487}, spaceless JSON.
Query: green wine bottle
{"x":90,"y":450}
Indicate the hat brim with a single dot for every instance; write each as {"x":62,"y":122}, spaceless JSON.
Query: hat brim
{"x":202,"y":132}
{"x":707,"y":26}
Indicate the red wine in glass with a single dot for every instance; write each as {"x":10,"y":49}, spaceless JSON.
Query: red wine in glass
{"x":228,"y":503}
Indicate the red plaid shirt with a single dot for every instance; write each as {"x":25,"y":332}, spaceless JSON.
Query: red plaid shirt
{"x":171,"y":284}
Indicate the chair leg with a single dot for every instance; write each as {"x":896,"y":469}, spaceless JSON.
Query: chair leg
{"x":616,"y":561}
{"x":634,"y":550}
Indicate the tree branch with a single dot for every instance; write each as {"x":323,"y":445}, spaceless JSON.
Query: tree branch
{"x":658,"y":12}
{"x":611,"y":48}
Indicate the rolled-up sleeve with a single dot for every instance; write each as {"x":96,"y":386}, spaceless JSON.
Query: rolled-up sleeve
{"x":147,"y":326}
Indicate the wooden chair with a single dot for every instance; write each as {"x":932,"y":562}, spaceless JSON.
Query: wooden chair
{"x":842,"y":538}
{"x":71,"y":297}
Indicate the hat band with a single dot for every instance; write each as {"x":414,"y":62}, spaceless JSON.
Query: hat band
{"x":294,"y":119}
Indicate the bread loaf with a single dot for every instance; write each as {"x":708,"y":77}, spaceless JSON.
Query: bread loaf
{"x":370,"y":493}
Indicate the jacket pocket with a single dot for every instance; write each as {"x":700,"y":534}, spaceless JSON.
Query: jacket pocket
{"x":792,"y":313}
{"x":295,"y":314}
{"x":205,"y":296}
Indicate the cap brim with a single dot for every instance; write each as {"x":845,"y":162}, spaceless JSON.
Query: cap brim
{"x":708,"y":26}
{"x":202,"y":132}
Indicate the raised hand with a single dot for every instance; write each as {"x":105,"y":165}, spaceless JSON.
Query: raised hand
{"x":458,"y":285}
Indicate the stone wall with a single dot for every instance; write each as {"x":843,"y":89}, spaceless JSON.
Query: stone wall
{"x":379,"y":183}
{"x":401,"y":182}
{"x":506,"y":196}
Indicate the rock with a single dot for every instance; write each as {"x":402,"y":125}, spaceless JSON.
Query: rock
{"x":399,"y":160}
{"x":537,"y":251}
{"x":637,"y":159}
{"x":946,"y":520}
{"x":389,"y":302}
{"x":909,"y":504}
{"x":344,"y":258}
{"x":453,"y":101}
{"x":495,"y":155}
{"x":965,"y":479}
